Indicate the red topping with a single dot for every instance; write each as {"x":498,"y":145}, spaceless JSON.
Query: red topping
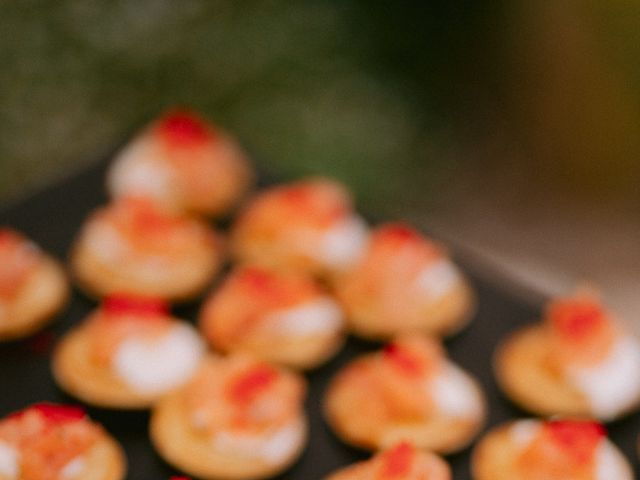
{"x":146,"y":216}
{"x":257,"y":280}
{"x":252,"y":383}
{"x":183,"y":129}
{"x":175,"y":477}
{"x":402,"y":359}
{"x":400,"y":234}
{"x":397,"y":461}
{"x":576,"y":318}
{"x":577,"y":438}
{"x":122,"y":304}
{"x":54,"y":413}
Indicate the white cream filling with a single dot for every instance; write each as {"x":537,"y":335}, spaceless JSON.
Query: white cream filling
{"x":155,"y":366}
{"x":610,"y":464}
{"x":343,"y":243}
{"x":438,"y":278}
{"x":613,"y":385}
{"x":137,"y":171}
{"x":273,"y":447}
{"x":523,"y":432}
{"x":322,"y":316}
{"x":454,"y":392}
{"x":9,"y":462}
{"x":73,"y":468}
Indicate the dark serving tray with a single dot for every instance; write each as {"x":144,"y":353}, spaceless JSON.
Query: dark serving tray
{"x":53,"y":216}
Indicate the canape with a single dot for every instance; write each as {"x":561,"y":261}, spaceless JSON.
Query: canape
{"x":551,"y":449}
{"x":238,"y":418}
{"x":185,"y":163}
{"x":127,"y":354}
{"x":404,"y":282}
{"x":33,"y":286}
{"x":284,"y":317}
{"x":137,"y":247}
{"x":408,"y":391}
{"x":578,"y":361}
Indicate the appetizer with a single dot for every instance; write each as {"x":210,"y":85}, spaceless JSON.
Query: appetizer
{"x":408,"y":391}
{"x":308,"y":224}
{"x":553,"y":449}
{"x":185,"y":163}
{"x":578,"y":361}
{"x":57,"y":442}
{"x":127,"y":354}
{"x":404,"y":282}
{"x":283,"y":317}
{"x":401,"y":462}
{"x":135,"y":246}
{"x":33,"y":286}
{"x":238,"y":418}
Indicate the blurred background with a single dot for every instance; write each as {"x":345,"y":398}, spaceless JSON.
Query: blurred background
{"x":510,"y":129}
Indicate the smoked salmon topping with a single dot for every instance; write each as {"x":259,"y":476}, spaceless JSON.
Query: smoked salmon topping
{"x":48,"y":437}
{"x":402,"y":359}
{"x":273,"y":289}
{"x":17,"y":259}
{"x":582,"y":332}
{"x":250,"y":384}
{"x":314,"y":204}
{"x":399,"y":234}
{"x":122,"y":317}
{"x":121,"y":304}
{"x":400,"y":238}
{"x":183,"y":129}
{"x":413,"y":356}
{"x":576,"y":318}
{"x":577,"y":439}
{"x":397,"y":462}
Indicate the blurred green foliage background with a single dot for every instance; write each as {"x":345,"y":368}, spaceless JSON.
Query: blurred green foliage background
{"x":410,"y":103}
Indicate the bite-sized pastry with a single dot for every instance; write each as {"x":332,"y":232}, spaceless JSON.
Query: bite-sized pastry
{"x":308,"y":224}
{"x":184,"y":162}
{"x":578,"y":361}
{"x":33,"y":286}
{"x":401,"y":462}
{"x":57,"y":442}
{"x":238,"y":418}
{"x":404,"y":282}
{"x":134,"y":246}
{"x":553,"y":449}
{"x":283,"y":317}
{"x":408,"y":391}
{"x":127,"y":354}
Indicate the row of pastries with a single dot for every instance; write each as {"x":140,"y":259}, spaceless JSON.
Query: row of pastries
{"x":227,"y":395}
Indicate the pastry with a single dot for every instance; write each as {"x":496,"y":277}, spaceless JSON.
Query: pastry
{"x":127,"y":354}
{"x":402,"y":282}
{"x":136,"y":247}
{"x":185,"y":163}
{"x":33,"y":286}
{"x":57,"y":442}
{"x":408,"y":391}
{"x":283,"y":317}
{"x":309,"y":224}
{"x":237,"y":419}
{"x":578,"y":361}
{"x":400,"y":462}
{"x":554,"y":449}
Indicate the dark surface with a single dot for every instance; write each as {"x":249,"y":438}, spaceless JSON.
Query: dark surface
{"x":53,"y":216}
